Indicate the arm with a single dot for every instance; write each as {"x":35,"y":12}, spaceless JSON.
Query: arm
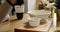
{"x":5,"y":8}
{"x":12,"y":2}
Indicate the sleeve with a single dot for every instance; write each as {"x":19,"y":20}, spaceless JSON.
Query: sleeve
{"x":19,"y":2}
{"x":9,"y":2}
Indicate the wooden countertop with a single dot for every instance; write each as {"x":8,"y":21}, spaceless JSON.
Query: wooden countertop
{"x":44,"y":27}
{"x":18,"y":24}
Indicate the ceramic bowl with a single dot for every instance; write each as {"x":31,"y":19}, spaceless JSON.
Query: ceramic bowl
{"x":39,"y":13}
{"x":34,"y":21}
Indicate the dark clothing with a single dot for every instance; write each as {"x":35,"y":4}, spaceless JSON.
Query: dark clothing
{"x":0,"y":1}
{"x":57,"y":4}
{"x":9,"y":2}
{"x":18,"y":2}
{"x":51,"y":1}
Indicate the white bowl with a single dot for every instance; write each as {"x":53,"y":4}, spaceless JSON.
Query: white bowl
{"x":39,"y":13}
{"x":34,"y":21}
{"x":19,"y":9}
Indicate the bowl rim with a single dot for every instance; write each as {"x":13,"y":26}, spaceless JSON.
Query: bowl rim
{"x":31,"y":12}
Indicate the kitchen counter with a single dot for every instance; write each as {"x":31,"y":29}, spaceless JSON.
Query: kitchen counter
{"x":41,"y":28}
{"x":18,"y":25}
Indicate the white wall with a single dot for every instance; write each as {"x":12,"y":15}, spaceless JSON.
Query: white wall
{"x":31,"y":4}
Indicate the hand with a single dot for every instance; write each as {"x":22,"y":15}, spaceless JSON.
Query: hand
{"x":12,"y":1}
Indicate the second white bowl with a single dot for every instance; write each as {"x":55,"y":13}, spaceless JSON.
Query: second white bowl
{"x":34,"y":21}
